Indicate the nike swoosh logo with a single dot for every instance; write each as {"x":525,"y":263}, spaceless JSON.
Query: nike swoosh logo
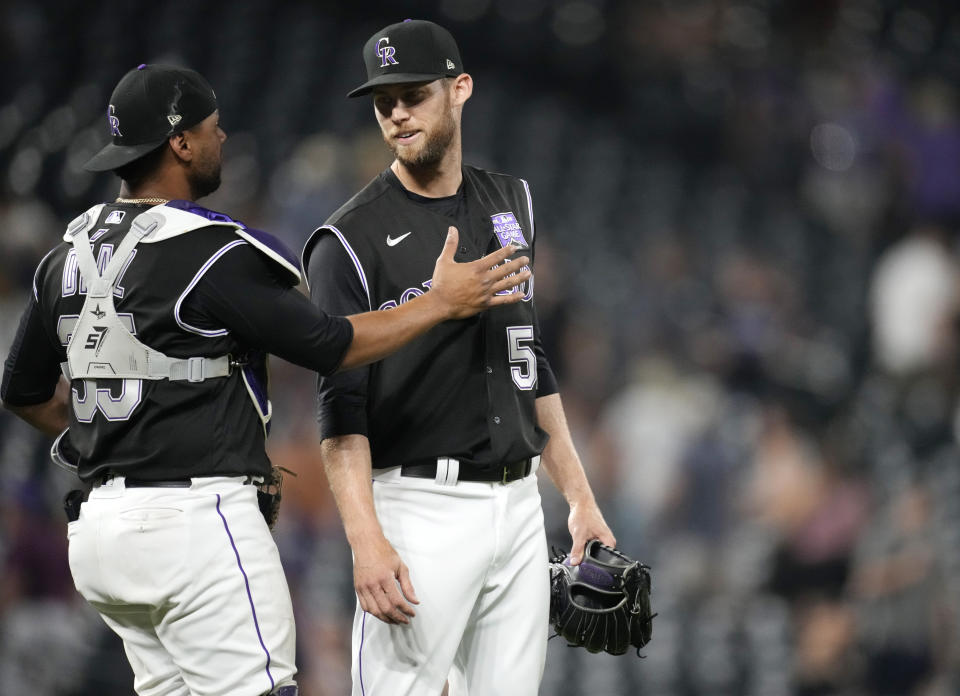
{"x":393,"y":242}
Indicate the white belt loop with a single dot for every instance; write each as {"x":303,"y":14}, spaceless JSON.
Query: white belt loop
{"x":534,"y":464}
{"x":448,"y":471}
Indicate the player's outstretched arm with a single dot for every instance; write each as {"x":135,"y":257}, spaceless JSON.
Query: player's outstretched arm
{"x":380,"y":577}
{"x":458,"y":290}
{"x":561,"y":462}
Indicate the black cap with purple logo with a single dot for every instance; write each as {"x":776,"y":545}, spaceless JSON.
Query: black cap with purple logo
{"x":414,"y":50}
{"x":148,"y":105}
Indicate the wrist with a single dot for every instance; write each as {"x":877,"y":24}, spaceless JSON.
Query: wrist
{"x":581,"y":499}
{"x":363,"y":533}
{"x":435,"y":306}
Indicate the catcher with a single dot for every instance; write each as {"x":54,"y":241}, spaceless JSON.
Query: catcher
{"x":602,"y":604}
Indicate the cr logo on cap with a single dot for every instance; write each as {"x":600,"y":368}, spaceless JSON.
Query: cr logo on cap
{"x":114,"y":122}
{"x":385,"y":52}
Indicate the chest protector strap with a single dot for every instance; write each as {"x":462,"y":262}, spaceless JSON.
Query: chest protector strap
{"x":101,"y":345}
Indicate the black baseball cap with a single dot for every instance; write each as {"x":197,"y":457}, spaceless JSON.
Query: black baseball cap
{"x":413,"y":50}
{"x":148,"y":105}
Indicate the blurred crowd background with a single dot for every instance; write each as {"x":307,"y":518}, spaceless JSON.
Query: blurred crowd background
{"x":747,"y":279}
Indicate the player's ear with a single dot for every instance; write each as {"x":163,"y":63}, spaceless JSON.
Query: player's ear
{"x":180,"y":144}
{"x":461,"y":89}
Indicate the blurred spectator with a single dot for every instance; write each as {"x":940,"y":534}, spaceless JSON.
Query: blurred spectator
{"x":816,"y":512}
{"x":915,"y":299}
{"x":645,"y":430}
{"x":898,"y":588}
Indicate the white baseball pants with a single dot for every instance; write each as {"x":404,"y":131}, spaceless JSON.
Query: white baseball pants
{"x":477,"y":555}
{"x":190,"y":579}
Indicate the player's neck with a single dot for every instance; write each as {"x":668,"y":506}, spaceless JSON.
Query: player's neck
{"x":167,"y":188}
{"x":438,"y":181}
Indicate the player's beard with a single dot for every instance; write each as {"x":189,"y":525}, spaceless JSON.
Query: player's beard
{"x":205,"y":177}
{"x":435,"y":145}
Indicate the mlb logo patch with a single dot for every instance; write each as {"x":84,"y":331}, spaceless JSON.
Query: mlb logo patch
{"x":508,"y":230}
{"x":115,"y":217}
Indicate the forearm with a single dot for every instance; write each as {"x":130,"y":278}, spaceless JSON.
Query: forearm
{"x":381,"y":579}
{"x":559,"y":458}
{"x":561,"y":462}
{"x":346,"y":460}
{"x":378,"y":334}
{"x":51,"y":417}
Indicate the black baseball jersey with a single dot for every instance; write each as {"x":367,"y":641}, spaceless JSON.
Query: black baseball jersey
{"x":208,"y":292}
{"x":467,"y":388}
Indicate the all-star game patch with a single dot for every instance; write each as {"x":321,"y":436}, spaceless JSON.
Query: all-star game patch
{"x":508,"y":229}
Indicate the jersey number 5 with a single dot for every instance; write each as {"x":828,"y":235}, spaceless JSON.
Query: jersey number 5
{"x":523,"y":361}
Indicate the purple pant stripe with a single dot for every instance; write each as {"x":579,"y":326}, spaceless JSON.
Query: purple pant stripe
{"x":246,"y":581}
{"x":363,"y":625}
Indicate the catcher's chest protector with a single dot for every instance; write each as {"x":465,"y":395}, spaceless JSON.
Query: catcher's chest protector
{"x":101,"y":343}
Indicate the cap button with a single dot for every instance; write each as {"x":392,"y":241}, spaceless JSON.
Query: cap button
{"x":141,"y":66}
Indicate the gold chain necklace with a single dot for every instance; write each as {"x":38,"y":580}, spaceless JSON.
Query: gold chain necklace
{"x":153,"y":201}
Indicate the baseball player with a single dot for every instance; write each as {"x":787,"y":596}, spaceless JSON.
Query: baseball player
{"x":160,"y":313}
{"x":448,"y":541}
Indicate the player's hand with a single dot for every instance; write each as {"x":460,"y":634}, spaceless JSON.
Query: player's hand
{"x":468,"y":288}
{"x":382,"y":582}
{"x":585,"y":523}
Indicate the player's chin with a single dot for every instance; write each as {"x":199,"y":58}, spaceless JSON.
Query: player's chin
{"x":407,"y":154}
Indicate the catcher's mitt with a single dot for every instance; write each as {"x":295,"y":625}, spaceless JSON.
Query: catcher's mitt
{"x":602,"y":604}
{"x":269,"y":493}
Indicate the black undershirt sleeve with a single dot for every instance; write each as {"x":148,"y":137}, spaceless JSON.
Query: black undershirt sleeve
{"x":335,"y":288}
{"x":242,"y":293}
{"x":32,"y":368}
